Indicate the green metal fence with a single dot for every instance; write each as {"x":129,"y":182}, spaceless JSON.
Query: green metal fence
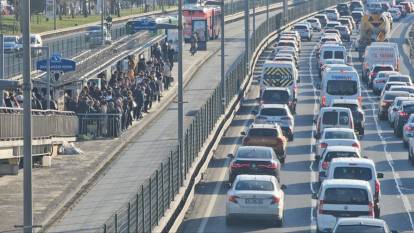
{"x":147,"y":207}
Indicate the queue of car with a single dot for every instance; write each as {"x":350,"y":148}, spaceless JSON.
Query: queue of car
{"x":349,"y":194}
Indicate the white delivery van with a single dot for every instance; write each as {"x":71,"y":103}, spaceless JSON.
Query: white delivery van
{"x":329,"y":51}
{"x":279,"y":74}
{"x":380,"y":53}
{"x":339,"y":82}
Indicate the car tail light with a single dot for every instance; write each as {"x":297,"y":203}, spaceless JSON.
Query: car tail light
{"x":356,"y":145}
{"x":237,"y":165}
{"x":233,"y":198}
{"x":324,"y":145}
{"x":408,"y":128}
{"x":360,"y":100}
{"x":371,"y":209}
{"x":275,"y":200}
{"x":272,"y":165}
{"x":323,"y":103}
{"x":325,"y":165}
{"x":280,"y":141}
{"x":404,"y":114}
{"x":371,"y":74}
{"x":377,"y":187}
{"x":320,"y":207}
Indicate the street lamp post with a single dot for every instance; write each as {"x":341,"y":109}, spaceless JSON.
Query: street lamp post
{"x":267,"y":17}
{"x":54,"y":14}
{"x":246,"y":33}
{"x":223,"y":81}
{"x":27,"y":120}
{"x":254,"y":24}
{"x":180,"y":90}
{"x":102,"y":20}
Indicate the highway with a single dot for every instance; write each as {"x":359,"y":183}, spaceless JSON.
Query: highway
{"x":143,"y":154}
{"x":207,"y":212}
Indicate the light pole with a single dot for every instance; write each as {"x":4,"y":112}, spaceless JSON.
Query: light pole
{"x":254,"y":24}
{"x":180,"y":90}
{"x":246,"y":33}
{"x":54,"y":14}
{"x":267,"y":17}
{"x":1,"y":67}
{"x":102,"y":20}
{"x":27,"y":120}
{"x":223,"y":81}
{"x":285,"y":11}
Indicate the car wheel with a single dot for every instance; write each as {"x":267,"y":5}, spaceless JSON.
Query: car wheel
{"x":291,"y":137}
{"x":405,"y":144}
{"x":229,"y":220}
{"x":409,"y":155}
{"x":362,"y":131}
{"x":377,"y":211}
{"x":279,"y":222}
{"x":282,"y":160}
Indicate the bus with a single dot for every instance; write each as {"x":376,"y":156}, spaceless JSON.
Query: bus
{"x":210,"y":13}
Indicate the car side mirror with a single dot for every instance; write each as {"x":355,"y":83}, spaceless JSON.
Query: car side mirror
{"x":283,"y":187}
{"x":243,"y":133}
{"x":230,"y":156}
{"x":314,"y":196}
{"x":380,"y":175}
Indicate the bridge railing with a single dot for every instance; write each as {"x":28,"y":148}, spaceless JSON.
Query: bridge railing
{"x":45,"y":123}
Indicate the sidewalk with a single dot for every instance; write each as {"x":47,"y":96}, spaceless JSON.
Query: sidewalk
{"x":52,"y":186}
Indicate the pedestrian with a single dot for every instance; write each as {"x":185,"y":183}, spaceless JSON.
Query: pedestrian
{"x":167,"y":75}
{"x":193,"y":41}
{"x":139,"y":99}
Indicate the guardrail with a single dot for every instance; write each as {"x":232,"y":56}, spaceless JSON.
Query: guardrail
{"x":148,"y":206}
{"x":99,"y":125}
{"x":46,"y":124}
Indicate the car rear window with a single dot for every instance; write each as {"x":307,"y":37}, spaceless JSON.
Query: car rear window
{"x":312,"y":20}
{"x":405,"y":89}
{"x":342,"y":87}
{"x":339,"y":154}
{"x":273,"y":112}
{"x":277,"y":96}
{"x":339,"y":135}
{"x":330,"y":118}
{"x":398,"y":79}
{"x":253,"y":153}
{"x":354,"y":196}
{"x":300,"y":27}
{"x":390,"y":96}
{"x":409,"y":108}
{"x":262,"y":133}
{"x":254,"y":185}
{"x":359,"y":228}
{"x":353,"y":173}
{"x":382,"y":68}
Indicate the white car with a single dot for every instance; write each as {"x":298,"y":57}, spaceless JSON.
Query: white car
{"x":277,"y":114}
{"x":395,"y":13}
{"x":304,"y":30}
{"x":380,"y":80}
{"x":316,"y":25}
{"x":388,"y":86}
{"x":336,"y":137}
{"x":346,"y":225}
{"x":408,"y":130}
{"x":255,"y":196}
{"x":393,"y":110}
{"x":400,"y":78}
{"x":335,"y":152}
{"x":342,"y":198}
{"x":332,"y":14}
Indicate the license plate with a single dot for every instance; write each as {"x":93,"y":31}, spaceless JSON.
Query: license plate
{"x":254,"y":201}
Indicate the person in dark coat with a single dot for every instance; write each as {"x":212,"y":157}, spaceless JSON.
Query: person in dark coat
{"x":139,"y":99}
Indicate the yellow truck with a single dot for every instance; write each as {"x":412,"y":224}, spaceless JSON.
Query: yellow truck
{"x":374,"y":27}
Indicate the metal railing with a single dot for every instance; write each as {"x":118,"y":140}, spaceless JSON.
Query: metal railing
{"x":145,"y":209}
{"x":46,"y":124}
{"x":97,"y":125}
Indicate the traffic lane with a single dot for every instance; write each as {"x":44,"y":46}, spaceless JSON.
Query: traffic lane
{"x":380,"y":145}
{"x":297,"y":199}
{"x":399,"y":35}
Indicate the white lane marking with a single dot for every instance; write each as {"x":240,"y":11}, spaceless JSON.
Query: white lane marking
{"x":388,"y":156}
{"x":221,"y":177}
{"x":312,"y":143}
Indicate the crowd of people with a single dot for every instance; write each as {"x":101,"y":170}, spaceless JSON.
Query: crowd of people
{"x":14,"y":99}
{"x":127,"y":95}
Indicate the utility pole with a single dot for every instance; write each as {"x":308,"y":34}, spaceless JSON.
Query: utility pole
{"x":285,"y":11}
{"x":27,"y":120}
{"x":1,"y":67}
{"x":267,"y":17}
{"x":254,"y":24}
{"x":102,"y":20}
{"x":180,"y":90}
{"x":246,"y":33}
{"x":48,"y":76}
{"x":223,"y":81}
{"x":54,"y":14}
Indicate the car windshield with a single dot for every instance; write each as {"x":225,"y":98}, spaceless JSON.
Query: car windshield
{"x":353,"y":173}
{"x":354,"y":196}
{"x":359,"y":228}
{"x":273,"y":112}
{"x":330,"y":118}
{"x":339,"y":135}
{"x":254,"y":185}
{"x":399,"y":79}
{"x":262,"y":133}
{"x":253,"y":153}
{"x":339,"y":154}
{"x":275,"y":96}
{"x":342,"y":87}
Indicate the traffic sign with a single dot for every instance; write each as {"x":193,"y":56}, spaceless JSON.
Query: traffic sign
{"x":57,"y":63}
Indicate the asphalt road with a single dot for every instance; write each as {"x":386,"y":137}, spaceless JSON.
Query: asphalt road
{"x":143,"y":154}
{"x":300,"y":172}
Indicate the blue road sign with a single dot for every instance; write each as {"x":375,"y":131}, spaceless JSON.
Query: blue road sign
{"x":57,"y":63}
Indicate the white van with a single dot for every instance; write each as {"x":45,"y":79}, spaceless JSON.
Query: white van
{"x":329,"y":51}
{"x":358,"y":169}
{"x":339,"y":82}
{"x":380,"y":53}
{"x":279,"y":74}
{"x":341,"y":198}
{"x":333,"y":117}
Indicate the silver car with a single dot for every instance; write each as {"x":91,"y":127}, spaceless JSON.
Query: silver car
{"x":278,"y":114}
{"x":408,"y":130}
{"x":393,"y":110}
{"x":304,"y":30}
{"x":380,"y":80}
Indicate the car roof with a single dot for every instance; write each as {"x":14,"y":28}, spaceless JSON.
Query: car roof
{"x":341,"y":148}
{"x":276,"y":88}
{"x":327,"y":109}
{"x":273,"y":106}
{"x":397,"y":83}
{"x":338,"y":130}
{"x":345,"y":101}
{"x":356,"y":161}
{"x":394,"y":92}
{"x":361,"y":221}
{"x":399,"y":75}
{"x":264,"y":126}
{"x":255,"y":177}
{"x":408,"y":102}
{"x":330,"y":183}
